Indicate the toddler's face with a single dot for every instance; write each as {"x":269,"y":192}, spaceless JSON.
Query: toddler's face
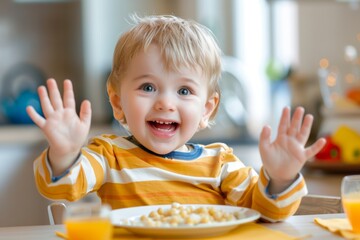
{"x":163,"y":109}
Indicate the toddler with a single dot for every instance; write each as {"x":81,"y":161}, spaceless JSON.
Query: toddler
{"x":164,"y":88}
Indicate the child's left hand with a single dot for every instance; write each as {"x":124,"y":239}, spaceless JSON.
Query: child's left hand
{"x":286,"y":155}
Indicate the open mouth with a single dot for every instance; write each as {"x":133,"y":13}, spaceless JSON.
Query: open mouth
{"x":164,"y":126}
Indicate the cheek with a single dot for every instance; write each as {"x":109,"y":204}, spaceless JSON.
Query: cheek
{"x":194,"y":112}
{"x":136,"y":109}
{"x":131,"y":109}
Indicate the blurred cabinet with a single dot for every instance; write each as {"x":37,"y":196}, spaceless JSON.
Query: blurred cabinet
{"x":20,"y":202}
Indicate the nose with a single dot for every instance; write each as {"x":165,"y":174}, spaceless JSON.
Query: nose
{"x":165,"y":102}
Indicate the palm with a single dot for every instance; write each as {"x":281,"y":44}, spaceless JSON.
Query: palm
{"x":65,"y":131}
{"x":286,"y":155}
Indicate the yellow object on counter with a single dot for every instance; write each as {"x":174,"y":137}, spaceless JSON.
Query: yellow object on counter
{"x":349,"y":142}
{"x":340,"y":226}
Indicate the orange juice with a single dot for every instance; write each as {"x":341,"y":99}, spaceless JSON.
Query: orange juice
{"x":89,"y":229}
{"x":352,"y":210}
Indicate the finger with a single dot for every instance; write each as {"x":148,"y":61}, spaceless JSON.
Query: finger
{"x":54,"y":93}
{"x":35,"y":117}
{"x":284,"y":121}
{"x":296,"y":121}
{"x":85,"y":112}
{"x":306,"y":129}
{"x":69,"y":99}
{"x":315,"y":148}
{"x":265,"y":138}
{"x":45,"y":102}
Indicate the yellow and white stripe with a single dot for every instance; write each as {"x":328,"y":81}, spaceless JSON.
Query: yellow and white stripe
{"x":125,"y":175}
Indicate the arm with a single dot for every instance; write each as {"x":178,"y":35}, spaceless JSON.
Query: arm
{"x":286,"y":155}
{"x":243,"y":187}
{"x":65,"y":131}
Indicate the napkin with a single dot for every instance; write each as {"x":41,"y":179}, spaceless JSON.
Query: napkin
{"x":249,"y":231}
{"x":340,"y":226}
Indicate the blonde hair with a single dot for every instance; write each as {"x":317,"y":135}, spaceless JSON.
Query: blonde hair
{"x":183,"y":43}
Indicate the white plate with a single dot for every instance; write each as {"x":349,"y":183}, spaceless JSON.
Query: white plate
{"x":201,"y":230}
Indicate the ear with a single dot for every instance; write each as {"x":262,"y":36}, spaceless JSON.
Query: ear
{"x":210,"y":107}
{"x":115,"y":104}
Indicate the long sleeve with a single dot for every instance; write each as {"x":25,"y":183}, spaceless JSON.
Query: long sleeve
{"x":244,"y":187}
{"x":86,"y":175}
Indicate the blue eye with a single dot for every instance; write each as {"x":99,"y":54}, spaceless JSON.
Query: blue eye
{"x":184,"y":91}
{"x":147,"y":87}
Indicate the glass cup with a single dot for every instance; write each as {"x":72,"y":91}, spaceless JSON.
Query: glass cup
{"x":350,"y":196}
{"x":88,"y":221}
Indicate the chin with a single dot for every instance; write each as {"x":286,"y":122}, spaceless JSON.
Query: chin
{"x":160,"y":150}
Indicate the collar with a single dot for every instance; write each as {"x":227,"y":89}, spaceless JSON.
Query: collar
{"x":196,"y":151}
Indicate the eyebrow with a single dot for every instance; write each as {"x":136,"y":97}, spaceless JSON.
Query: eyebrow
{"x":142,"y":76}
{"x":190,"y":80}
{"x":186,"y":79}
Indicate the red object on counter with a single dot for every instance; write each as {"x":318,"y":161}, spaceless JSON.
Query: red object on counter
{"x":330,"y":152}
{"x":354,"y":95}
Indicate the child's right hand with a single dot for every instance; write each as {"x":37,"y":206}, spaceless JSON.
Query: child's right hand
{"x":65,"y":131}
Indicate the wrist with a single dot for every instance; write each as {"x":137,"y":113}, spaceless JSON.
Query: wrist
{"x":277,"y":186}
{"x":60,"y":163}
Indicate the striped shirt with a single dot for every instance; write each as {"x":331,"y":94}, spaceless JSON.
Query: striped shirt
{"x":126,"y":175}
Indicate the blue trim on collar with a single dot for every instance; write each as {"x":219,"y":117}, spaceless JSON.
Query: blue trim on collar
{"x":57,"y":178}
{"x":193,"y":154}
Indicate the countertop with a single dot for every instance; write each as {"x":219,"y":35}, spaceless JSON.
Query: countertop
{"x":20,"y":134}
{"x":30,"y":134}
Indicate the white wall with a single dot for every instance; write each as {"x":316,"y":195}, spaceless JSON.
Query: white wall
{"x":325,"y":28}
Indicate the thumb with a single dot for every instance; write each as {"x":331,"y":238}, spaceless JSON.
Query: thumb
{"x":85,"y":112}
{"x":264,"y":141}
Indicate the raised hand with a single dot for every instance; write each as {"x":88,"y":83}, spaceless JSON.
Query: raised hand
{"x":65,"y":131}
{"x":286,"y":155}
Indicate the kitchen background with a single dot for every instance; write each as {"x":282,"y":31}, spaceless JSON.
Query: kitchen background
{"x":273,"y":51}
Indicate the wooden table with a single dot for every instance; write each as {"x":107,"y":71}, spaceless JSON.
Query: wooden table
{"x":303,"y":225}
{"x":295,"y":226}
